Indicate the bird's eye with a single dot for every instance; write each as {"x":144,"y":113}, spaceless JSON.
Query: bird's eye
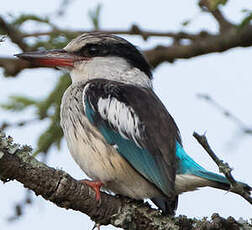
{"x":93,"y":51}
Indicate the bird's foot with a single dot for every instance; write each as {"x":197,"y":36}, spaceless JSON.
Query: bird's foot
{"x":96,"y":226}
{"x":96,"y":186}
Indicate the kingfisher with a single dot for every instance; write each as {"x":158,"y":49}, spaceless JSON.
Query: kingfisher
{"x":117,"y":129}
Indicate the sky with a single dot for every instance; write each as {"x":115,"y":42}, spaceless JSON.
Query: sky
{"x":224,"y":76}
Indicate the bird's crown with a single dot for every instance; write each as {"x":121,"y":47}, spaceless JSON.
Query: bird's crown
{"x":97,"y":44}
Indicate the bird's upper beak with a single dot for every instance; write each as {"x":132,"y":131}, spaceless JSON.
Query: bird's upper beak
{"x":51,"y":58}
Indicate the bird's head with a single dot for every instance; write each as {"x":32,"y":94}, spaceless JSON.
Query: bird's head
{"x":97,"y":55}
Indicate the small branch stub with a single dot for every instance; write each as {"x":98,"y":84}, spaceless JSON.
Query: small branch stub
{"x":236,"y":187}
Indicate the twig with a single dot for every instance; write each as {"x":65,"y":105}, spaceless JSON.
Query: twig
{"x":14,"y":34}
{"x":204,"y":44}
{"x":12,"y":66}
{"x":224,"y":168}
{"x":134,"y":30}
{"x":224,"y":24}
{"x":226,"y":113}
{"x":6,"y":125}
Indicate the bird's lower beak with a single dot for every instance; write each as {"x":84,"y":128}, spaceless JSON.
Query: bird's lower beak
{"x":50,"y":58}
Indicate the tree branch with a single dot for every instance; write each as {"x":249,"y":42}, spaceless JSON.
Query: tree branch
{"x":200,"y":44}
{"x":229,"y":36}
{"x":236,"y":37}
{"x":223,"y":23}
{"x":12,"y":66}
{"x":6,"y":124}
{"x":14,"y":34}
{"x":60,"y":188}
{"x":134,"y":30}
{"x":224,"y":168}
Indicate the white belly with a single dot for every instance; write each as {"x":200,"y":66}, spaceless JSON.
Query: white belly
{"x":102,"y":162}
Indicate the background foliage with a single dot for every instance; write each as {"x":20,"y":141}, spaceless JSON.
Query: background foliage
{"x":181,"y":45}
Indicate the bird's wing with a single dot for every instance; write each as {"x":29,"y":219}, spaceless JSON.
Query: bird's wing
{"x":135,"y":121}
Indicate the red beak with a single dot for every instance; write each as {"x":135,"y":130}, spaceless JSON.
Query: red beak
{"x":51,"y":58}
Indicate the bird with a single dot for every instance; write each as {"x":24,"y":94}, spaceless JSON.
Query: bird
{"x":117,"y":129}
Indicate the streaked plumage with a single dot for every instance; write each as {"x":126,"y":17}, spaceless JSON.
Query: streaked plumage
{"x":117,"y":129}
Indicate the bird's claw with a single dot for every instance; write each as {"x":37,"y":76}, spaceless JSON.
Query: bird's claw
{"x":96,"y":186}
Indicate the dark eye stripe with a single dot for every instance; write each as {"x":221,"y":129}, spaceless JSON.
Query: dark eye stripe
{"x":117,"y":49}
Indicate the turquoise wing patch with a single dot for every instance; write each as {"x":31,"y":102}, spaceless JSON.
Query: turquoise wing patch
{"x":139,"y":158}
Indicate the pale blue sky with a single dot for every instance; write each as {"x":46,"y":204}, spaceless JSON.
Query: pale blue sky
{"x":225,"y":76}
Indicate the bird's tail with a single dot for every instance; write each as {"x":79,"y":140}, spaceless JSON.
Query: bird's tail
{"x":218,"y":181}
{"x":191,"y":175}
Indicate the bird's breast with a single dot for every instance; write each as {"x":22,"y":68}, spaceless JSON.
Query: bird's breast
{"x":99,"y":160}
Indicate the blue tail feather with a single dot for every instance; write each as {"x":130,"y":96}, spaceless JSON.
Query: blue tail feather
{"x":212,"y":176}
{"x":186,"y":165}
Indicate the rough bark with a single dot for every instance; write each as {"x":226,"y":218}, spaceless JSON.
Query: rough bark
{"x":205,"y":44}
{"x":60,"y":188}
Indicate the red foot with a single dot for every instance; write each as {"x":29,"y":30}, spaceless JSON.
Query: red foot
{"x":96,"y":186}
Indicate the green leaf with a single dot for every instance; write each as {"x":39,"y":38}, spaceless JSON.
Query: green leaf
{"x":29,"y":17}
{"x":18,"y":103}
{"x":53,"y":135}
{"x":48,"y":108}
{"x":246,"y":20}
{"x":186,"y":22}
{"x":54,"y":98}
{"x":94,"y":16}
{"x":245,"y":10}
